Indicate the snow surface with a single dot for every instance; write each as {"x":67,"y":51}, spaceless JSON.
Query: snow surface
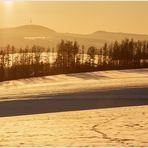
{"x":125,"y":126}
{"x":120,"y":126}
{"x":80,"y":82}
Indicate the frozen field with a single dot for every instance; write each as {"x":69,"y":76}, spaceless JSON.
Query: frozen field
{"x":125,"y":126}
{"x":108,"y":108}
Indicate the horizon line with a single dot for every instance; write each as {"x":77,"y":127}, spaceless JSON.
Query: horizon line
{"x":105,"y":31}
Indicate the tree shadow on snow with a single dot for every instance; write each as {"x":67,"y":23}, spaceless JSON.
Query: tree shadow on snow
{"x":74,"y":101}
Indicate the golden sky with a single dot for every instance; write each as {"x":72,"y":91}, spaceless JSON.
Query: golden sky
{"x":77,"y":17}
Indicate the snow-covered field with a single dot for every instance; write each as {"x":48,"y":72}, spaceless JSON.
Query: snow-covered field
{"x":125,"y":126}
{"x":72,"y":83}
{"x":90,"y":122}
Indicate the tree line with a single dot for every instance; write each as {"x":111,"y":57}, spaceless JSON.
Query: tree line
{"x":70,"y":58}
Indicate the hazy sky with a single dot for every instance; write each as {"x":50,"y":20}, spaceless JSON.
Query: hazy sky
{"x":77,"y":17}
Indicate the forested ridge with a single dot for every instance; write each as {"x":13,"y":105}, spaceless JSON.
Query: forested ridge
{"x":69,"y":57}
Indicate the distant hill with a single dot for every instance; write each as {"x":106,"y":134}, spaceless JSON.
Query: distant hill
{"x":34,"y":34}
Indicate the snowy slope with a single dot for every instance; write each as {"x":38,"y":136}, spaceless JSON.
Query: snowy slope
{"x":120,"y":126}
{"x":101,"y":81}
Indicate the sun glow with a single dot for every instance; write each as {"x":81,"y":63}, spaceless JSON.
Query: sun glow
{"x":8,"y":2}
{"x":8,"y":10}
